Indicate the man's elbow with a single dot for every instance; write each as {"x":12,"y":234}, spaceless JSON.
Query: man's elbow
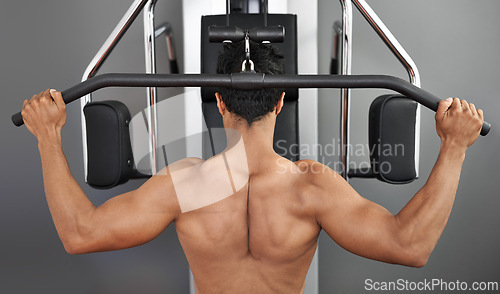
{"x":71,"y":250}
{"x":416,"y":258}
{"x":411,"y":251}
{"x":418,"y":262}
{"x":73,"y":246}
{"x":77,"y":240}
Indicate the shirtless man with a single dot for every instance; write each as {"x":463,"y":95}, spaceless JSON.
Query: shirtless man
{"x":259,"y":237}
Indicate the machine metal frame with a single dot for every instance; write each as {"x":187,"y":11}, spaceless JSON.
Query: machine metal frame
{"x":345,"y":69}
{"x":345,"y":65}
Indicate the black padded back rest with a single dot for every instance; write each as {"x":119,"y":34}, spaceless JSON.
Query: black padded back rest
{"x":210,"y":51}
{"x":392,"y":138}
{"x":286,"y":137}
{"x":109,"y":152}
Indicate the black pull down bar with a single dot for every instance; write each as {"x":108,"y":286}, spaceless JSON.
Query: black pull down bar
{"x":245,"y":81}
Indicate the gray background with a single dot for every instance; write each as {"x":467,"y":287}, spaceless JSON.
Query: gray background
{"x":49,"y":43}
{"x":456,"y":46}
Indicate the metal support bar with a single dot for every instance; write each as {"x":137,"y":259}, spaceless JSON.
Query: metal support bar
{"x":152,"y":93}
{"x":336,"y":43}
{"x":166,"y":28}
{"x":345,"y":66}
{"x":389,"y":40}
{"x":99,"y":59}
{"x":345,"y":93}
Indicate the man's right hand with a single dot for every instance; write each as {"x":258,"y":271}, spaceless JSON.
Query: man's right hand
{"x":458,"y":123}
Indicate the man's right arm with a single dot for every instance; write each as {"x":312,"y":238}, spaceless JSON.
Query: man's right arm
{"x":367,"y":229}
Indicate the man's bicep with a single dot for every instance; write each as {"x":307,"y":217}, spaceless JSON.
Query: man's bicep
{"x":133,"y":218}
{"x":357,"y":224}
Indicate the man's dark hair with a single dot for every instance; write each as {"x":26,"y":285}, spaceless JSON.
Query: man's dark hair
{"x":250,"y":105}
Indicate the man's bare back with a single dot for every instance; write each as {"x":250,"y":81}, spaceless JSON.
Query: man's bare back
{"x":259,"y":240}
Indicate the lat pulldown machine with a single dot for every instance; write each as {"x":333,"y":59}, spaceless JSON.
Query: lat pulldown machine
{"x":394,"y":119}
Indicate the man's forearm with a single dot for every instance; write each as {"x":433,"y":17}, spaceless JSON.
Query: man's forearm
{"x":423,"y":219}
{"x":67,"y":202}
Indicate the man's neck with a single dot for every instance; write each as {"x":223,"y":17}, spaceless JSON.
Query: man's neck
{"x":257,"y":140}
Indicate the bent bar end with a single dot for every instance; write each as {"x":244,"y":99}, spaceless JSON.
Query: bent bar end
{"x":486,"y":128}
{"x":17,"y":119}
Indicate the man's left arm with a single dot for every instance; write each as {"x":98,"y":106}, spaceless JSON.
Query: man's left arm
{"x":409,"y":237}
{"x":124,"y":221}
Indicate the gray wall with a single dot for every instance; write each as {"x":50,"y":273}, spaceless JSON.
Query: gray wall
{"x":48,"y":44}
{"x":455,"y":45}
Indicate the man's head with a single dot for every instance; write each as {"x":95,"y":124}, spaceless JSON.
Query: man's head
{"x":251,"y":105}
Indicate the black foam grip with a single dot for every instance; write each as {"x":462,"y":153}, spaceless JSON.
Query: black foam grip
{"x":263,"y":81}
{"x":217,"y":34}
{"x":273,"y":34}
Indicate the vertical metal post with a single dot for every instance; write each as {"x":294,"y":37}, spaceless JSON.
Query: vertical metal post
{"x":150,"y":50}
{"x":228,"y":11}
{"x":345,"y":94}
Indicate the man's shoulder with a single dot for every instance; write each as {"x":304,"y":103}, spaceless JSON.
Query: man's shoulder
{"x":315,"y":177}
{"x":307,"y":169}
{"x":190,"y":161}
{"x":181,"y":164}
{"x":314,"y":169}
{"x":311,"y":182}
